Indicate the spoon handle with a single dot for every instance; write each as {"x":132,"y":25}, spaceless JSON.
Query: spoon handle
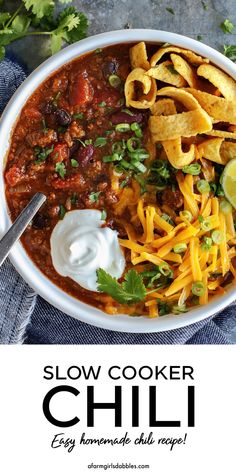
{"x":19,"y":225}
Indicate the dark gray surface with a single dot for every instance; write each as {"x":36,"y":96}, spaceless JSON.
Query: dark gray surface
{"x":190,"y":18}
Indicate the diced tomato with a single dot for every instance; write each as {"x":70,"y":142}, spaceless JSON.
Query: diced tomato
{"x":75,"y":181}
{"x":81,"y":91}
{"x":15,"y":175}
{"x":60,"y":152}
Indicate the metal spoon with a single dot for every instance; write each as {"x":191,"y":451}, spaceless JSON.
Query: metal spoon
{"x":19,"y":225}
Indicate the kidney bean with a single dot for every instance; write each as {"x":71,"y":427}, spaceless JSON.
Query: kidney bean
{"x":122,"y":117}
{"x":84,"y":155}
{"x":63,"y":117}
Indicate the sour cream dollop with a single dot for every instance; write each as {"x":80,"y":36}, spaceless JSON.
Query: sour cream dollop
{"x":80,"y":246}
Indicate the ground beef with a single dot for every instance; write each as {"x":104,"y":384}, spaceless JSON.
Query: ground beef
{"x":41,"y":138}
{"x":172,"y":198}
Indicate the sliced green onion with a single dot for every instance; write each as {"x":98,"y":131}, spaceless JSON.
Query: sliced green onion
{"x":193,"y":169}
{"x":100,"y":142}
{"x":139,"y":154}
{"x":198,"y":289}
{"x":137,"y":130}
{"x":74,"y":163}
{"x":102,"y":104}
{"x":122,"y":127}
{"x":138,"y":165}
{"x":179,"y":309}
{"x":114,"y":80}
{"x":225,"y":207}
{"x":186,"y":215}
{"x":203,"y":186}
{"x":167,"y":218}
{"x":206,"y":244}
{"x":113,"y":158}
{"x":181,"y":247}
{"x":165,"y":269}
{"x":125,"y":164}
{"x":217,"y":236}
{"x":205,"y":224}
{"x":133,"y":144}
{"x":118,"y":146}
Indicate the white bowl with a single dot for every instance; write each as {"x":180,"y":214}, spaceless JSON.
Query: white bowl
{"x":41,"y":284}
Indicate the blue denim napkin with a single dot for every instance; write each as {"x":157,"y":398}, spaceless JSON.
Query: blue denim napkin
{"x":26,"y":317}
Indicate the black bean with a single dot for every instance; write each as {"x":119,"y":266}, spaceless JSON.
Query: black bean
{"x":48,"y":108}
{"x":76,"y":145}
{"x":109,"y":67}
{"x":40,"y":221}
{"x":63,"y":117}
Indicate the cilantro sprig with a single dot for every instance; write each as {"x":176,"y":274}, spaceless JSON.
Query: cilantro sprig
{"x":38,"y":17}
{"x":131,"y":290}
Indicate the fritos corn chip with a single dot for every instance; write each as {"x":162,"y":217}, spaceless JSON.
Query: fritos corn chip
{"x":138,"y":56}
{"x":147,"y":99}
{"x":225,"y":84}
{"x":166,"y":73}
{"x":164,"y":106}
{"x":217,"y":107}
{"x":189,"y":55}
{"x":185,"y":70}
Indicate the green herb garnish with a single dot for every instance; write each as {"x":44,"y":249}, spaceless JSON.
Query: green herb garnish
{"x":38,"y":17}
{"x":74,"y":163}
{"x":230,"y":51}
{"x":62,"y":211}
{"x":94,"y":197}
{"x":131,"y":290}
{"x":102,"y":104}
{"x":42,"y":153}
{"x":170,"y":10}
{"x":205,"y":6}
{"x":60,"y":169}
{"x":227,"y":26}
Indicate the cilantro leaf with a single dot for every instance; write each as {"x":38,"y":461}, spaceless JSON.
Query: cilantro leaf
{"x":20,"y":24}
{"x":60,"y":168}
{"x":131,"y":290}
{"x":204,"y":5}
{"x":77,"y":32}
{"x":94,"y":197}
{"x":227,"y":26}
{"x":65,"y":1}
{"x":4,"y":17}
{"x":40,"y":8}
{"x":170,"y":10}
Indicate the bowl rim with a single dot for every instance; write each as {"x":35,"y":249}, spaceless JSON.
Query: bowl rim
{"x":24,"y":265}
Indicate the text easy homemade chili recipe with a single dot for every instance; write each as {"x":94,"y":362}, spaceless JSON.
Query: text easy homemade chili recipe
{"x":147,"y":136}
